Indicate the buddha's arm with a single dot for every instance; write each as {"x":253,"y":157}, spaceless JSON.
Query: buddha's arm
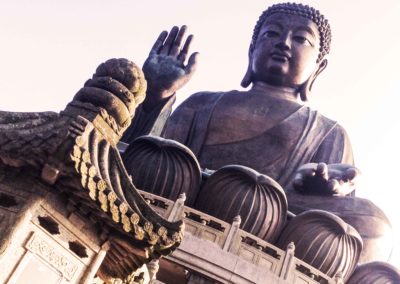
{"x":165,"y":72}
{"x":149,"y":122}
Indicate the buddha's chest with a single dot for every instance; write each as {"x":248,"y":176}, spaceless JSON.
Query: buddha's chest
{"x":237,"y":120}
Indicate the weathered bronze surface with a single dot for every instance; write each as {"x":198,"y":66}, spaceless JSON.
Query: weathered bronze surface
{"x":375,"y":273}
{"x":324,"y":241}
{"x":257,"y":199}
{"x":267,"y":127}
{"x":163,"y":167}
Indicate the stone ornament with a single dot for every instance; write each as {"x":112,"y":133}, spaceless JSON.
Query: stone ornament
{"x":118,"y":86}
{"x":238,"y":190}
{"x":163,"y":167}
{"x":324,"y":241}
{"x":376,"y":272}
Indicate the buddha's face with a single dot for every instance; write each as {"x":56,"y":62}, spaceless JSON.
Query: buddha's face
{"x":286,"y":50}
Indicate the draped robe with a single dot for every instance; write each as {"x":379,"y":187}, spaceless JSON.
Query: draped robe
{"x":303,"y":136}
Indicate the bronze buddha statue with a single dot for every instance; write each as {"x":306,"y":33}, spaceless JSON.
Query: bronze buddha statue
{"x":267,"y":127}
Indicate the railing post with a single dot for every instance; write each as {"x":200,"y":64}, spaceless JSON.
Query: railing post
{"x":176,"y":212}
{"x":95,"y":264}
{"x":152,"y":268}
{"x":339,"y":278}
{"x":232,"y":233}
{"x":287,"y":261}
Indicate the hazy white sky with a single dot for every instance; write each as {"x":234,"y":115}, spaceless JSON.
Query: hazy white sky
{"x":49,"y":48}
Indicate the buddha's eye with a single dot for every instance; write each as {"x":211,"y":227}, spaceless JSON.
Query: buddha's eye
{"x":302,"y":39}
{"x":270,"y":34}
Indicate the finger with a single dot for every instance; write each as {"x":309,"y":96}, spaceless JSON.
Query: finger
{"x":350,"y":174}
{"x":308,"y":172}
{"x":192,"y":64}
{"x":298,"y":182}
{"x":322,"y":171}
{"x":169,"y":41}
{"x":159,"y":43}
{"x":185,"y":50}
{"x":178,"y":41}
{"x":333,"y":185}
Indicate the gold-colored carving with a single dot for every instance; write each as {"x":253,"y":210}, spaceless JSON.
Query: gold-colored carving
{"x":77,"y":153}
{"x":114,"y":213}
{"x":103,"y":201}
{"x":135,"y":219}
{"x":168,"y":242}
{"x":60,"y":262}
{"x":79,"y":141}
{"x":101,"y":185}
{"x":164,"y":238}
{"x":126,"y":223}
{"x":83,"y":169}
{"x":123,"y":208}
{"x":176,"y":237}
{"x":86,"y":156}
{"x":162,"y":231}
{"x":92,"y":186}
{"x":112,"y":197}
{"x":92,"y":171}
{"x":139,"y":232}
{"x":77,"y":163}
{"x":84,"y":180}
{"x":148,"y":227}
{"x":153,"y":238}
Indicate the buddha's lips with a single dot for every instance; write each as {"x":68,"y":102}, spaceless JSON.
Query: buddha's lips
{"x":280,"y":56}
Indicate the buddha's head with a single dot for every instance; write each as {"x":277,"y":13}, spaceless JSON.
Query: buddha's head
{"x":289,"y":47}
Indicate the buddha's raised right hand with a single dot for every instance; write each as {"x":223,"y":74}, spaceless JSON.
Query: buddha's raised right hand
{"x":165,"y":69}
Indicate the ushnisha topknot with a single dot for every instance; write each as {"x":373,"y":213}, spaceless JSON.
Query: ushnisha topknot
{"x":301,"y":10}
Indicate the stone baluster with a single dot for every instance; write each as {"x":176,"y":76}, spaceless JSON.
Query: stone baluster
{"x":339,"y":278}
{"x":287,"y":261}
{"x":233,"y":231}
{"x":176,"y":212}
{"x":95,"y":264}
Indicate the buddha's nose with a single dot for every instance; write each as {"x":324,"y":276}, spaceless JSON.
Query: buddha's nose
{"x":284,"y":41}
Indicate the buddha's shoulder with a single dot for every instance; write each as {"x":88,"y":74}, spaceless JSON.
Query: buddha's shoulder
{"x":205,"y":99}
{"x":324,"y":120}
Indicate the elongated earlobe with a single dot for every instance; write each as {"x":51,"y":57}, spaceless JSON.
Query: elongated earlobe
{"x":305,"y":89}
{"x":247,"y":79}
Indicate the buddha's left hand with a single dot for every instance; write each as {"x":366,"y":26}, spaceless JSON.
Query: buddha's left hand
{"x":323,"y":179}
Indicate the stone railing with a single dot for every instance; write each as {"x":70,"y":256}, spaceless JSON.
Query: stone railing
{"x":255,"y":259}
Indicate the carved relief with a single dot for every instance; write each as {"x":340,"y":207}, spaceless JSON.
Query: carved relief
{"x":59,"y":261}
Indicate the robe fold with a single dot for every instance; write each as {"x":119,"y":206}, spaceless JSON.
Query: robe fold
{"x":304,"y":136}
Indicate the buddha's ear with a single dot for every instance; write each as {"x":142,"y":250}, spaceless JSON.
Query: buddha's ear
{"x":247,"y":79}
{"x":305,"y":89}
